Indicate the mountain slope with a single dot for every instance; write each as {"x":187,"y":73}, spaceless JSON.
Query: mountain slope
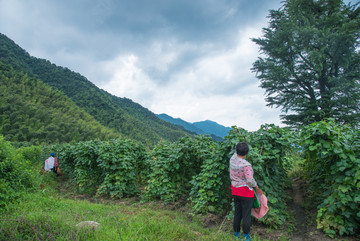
{"x":125,"y":116}
{"x":188,"y":126}
{"x":31,"y":111}
{"x":213,"y":128}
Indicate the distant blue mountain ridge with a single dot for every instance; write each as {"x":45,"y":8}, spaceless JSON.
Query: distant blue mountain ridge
{"x":217,"y":131}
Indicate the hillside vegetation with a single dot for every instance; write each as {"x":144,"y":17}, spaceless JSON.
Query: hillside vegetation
{"x":125,"y":117}
{"x":33,"y":112}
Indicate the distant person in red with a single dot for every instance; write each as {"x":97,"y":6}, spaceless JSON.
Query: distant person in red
{"x":242,"y":188}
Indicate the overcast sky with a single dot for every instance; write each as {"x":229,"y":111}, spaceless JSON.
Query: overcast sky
{"x":190,"y":59}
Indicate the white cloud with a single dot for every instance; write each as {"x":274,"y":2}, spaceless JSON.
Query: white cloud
{"x":219,"y":87}
{"x":127,"y":79}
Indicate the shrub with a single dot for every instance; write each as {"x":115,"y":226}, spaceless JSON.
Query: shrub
{"x":16,"y":172}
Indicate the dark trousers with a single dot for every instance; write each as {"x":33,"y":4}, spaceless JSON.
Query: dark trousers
{"x":243,"y":207}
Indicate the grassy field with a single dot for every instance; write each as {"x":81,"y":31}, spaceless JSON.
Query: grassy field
{"x":50,"y":214}
{"x":54,"y":210}
{"x":39,"y":216}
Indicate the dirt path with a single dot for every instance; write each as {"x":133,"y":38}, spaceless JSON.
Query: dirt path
{"x":301,"y":232}
{"x":305,"y":226}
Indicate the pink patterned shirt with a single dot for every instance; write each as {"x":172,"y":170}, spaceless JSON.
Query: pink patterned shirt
{"x":241,"y":173}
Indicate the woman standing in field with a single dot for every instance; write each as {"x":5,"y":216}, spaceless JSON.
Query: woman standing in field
{"x":242,"y":188}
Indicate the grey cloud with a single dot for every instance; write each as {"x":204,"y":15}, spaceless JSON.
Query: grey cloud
{"x":105,"y":28}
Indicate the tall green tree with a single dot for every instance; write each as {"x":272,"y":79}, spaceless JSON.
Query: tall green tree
{"x":310,"y":61}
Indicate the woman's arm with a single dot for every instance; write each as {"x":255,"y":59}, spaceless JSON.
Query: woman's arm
{"x":250,"y":180}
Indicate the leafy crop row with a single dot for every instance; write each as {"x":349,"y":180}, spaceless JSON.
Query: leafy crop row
{"x":332,"y":170}
{"x":115,"y":168}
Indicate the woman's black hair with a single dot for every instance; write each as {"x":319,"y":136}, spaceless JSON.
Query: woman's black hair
{"x":242,"y":149}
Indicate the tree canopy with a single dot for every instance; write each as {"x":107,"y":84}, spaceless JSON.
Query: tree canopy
{"x":310,"y":61}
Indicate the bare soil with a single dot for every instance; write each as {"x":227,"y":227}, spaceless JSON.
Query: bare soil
{"x":301,"y":231}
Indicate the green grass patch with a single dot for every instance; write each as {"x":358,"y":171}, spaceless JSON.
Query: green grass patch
{"x":45,"y":216}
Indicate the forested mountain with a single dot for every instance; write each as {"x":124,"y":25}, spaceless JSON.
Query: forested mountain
{"x":33,"y":112}
{"x":177,"y":121}
{"x":125,"y":117}
{"x":215,"y":130}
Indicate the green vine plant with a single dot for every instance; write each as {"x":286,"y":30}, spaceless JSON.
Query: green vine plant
{"x":333,"y":175}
